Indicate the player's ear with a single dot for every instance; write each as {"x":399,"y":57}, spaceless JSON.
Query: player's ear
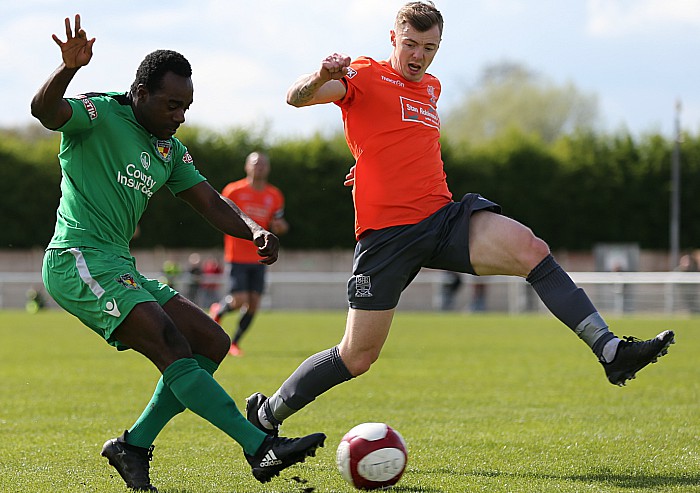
{"x":141,"y":92}
{"x":393,"y":38}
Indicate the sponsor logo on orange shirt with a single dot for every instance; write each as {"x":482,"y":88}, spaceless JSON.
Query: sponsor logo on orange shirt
{"x":416,"y":111}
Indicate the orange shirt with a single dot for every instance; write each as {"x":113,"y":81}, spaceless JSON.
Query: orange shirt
{"x":393,"y":131}
{"x":262,"y":206}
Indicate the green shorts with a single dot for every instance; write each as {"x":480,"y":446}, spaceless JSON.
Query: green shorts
{"x":99,"y":288}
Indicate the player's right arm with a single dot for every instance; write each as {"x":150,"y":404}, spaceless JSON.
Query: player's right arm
{"x":48,"y":104}
{"x":322,"y":86}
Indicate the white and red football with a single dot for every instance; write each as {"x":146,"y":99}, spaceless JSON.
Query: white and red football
{"x":372,"y":456}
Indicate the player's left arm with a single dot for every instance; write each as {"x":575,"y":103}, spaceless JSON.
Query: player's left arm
{"x":227,"y":217}
{"x":350,"y":177}
{"x":279,"y":225}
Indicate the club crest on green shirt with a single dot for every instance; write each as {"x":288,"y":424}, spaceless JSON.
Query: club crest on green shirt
{"x":164,"y":149}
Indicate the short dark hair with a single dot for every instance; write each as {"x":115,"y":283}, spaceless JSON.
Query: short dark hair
{"x":420,"y":15}
{"x":154,"y":67}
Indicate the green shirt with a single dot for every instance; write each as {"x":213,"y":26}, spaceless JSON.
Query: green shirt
{"x":110,"y":167}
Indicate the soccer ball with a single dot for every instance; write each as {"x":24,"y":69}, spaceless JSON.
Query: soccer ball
{"x":372,"y":456}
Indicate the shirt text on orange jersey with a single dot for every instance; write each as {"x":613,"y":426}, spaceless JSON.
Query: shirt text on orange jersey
{"x":392,"y":81}
{"x":417,"y":111}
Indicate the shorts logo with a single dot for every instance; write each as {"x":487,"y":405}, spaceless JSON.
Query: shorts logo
{"x":363,"y":285}
{"x":128,"y":281}
{"x":111,"y":308}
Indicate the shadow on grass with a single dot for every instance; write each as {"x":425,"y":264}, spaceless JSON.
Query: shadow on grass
{"x":418,"y":489}
{"x":607,"y":478}
{"x":311,"y":489}
{"x":296,"y":485}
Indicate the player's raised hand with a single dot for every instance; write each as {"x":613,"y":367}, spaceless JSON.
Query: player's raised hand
{"x":76,"y":50}
{"x":268,"y":246}
{"x":335,"y":66}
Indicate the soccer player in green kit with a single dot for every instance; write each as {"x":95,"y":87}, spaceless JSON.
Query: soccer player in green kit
{"x":117,"y":149}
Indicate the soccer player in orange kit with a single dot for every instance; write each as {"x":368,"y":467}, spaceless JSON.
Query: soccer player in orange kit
{"x":405,"y":219}
{"x":264,"y":203}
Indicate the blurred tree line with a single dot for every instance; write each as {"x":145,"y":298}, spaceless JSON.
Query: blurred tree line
{"x":517,"y":138}
{"x":582,"y":189}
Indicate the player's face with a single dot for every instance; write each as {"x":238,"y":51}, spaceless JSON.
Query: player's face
{"x":257,"y":167}
{"x":161,"y":112}
{"x":413,"y":50}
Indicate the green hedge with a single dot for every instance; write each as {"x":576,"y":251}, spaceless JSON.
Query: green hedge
{"x":584,"y":189}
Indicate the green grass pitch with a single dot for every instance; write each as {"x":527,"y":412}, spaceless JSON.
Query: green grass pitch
{"x":488,"y":403}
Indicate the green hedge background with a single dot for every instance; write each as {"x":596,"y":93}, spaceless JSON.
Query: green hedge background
{"x":583,"y":189}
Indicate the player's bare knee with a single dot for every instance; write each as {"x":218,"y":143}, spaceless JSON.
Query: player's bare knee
{"x":539,"y":249}
{"x":220,"y":344}
{"x":532,"y":250}
{"x":360,"y":363}
{"x":357,"y":368}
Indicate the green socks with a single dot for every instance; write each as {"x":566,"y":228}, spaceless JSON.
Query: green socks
{"x":188,"y":383}
{"x":197,"y":390}
{"x":163,"y":407}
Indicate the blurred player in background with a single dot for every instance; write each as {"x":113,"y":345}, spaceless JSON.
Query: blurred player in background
{"x":117,"y":149}
{"x":209,"y":287}
{"x":264,"y":203}
{"x":405,"y":219}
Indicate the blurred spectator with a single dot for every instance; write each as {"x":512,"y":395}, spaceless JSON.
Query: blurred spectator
{"x":690,"y":262}
{"x":210,"y":281}
{"x":451,"y":282}
{"x":194,"y":269}
{"x":35,"y":301}
{"x":171,"y":271}
{"x":478,"y":303}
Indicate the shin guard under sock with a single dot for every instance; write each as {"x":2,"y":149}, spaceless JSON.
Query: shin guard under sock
{"x":312,"y":378}
{"x":197,"y":390}
{"x":569,"y":303}
{"x":163,"y":407}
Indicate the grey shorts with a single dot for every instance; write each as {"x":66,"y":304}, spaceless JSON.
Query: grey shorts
{"x":387,"y":260}
{"x":247,"y":277}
